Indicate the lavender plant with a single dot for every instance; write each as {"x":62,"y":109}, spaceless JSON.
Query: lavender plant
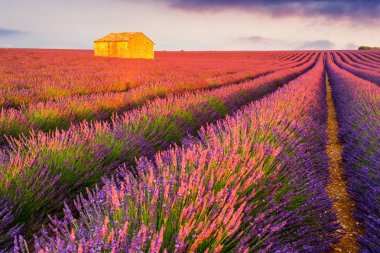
{"x":252,"y":182}
{"x":358,"y":108}
{"x":47,"y":168}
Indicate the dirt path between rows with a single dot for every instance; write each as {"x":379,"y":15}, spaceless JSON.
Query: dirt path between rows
{"x":343,"y":204}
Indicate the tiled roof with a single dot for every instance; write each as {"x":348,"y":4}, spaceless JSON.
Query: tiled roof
{"x":121,"y":36}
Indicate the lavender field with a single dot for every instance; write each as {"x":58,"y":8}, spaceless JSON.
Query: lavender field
{"x":273,"y":151}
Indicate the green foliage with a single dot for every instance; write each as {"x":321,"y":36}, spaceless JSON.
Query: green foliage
{"x":47,"y":119}
{"x":368,"y":48}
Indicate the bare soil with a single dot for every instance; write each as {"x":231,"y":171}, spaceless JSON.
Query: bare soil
{"x":343,"y":204}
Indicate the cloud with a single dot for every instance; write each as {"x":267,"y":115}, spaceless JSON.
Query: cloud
{"x":256,"y":40}
{"x":352,"y":46}
{"x":316,"y":44}
{"x":259,"y":40}
{"x":367,"y":10}
{"x":10,"y":32}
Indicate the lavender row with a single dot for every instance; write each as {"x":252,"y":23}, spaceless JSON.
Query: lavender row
{"x":253,"y":182}
{"x":358,"y":61}
{"x":358,"y":108}
{"x":30,"y":76}
{"x":368,"y":59}
{"x":40,"y":171}
{"x":372,"y":55}
{"x":369,"y":75}
{"x":64,"y":112}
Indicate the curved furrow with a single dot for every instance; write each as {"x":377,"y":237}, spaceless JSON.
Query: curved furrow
{"x":65,"y":162}
{"x":253,"y":182}
{"x":365,"y":59}
{"x":365,"y":74}
{"x":49,"y":116}
{"x":372,"y":55}
{"x":358,"y":109}
{"x":28,"y":76}
{"x":361,"y":64}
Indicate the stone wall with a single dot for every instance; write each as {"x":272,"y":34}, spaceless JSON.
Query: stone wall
{"x":139,"y":47}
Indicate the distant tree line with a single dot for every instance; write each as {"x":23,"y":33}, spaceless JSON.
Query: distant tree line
{"x":368,"y":48}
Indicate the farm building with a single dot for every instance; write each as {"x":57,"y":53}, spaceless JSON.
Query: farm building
{"x":125,"y":45}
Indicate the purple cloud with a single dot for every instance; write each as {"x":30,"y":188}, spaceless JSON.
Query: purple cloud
{"x":297,"y":45}
{"x":259,"y":39}
{"x":317,"y":44}
{"x":10,"y":32}
{"x":368,"y":9}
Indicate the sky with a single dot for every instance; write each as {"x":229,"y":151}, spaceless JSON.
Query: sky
{"x":193,"y":24}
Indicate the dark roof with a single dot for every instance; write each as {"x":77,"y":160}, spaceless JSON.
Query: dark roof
{"x":121,"y":37}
